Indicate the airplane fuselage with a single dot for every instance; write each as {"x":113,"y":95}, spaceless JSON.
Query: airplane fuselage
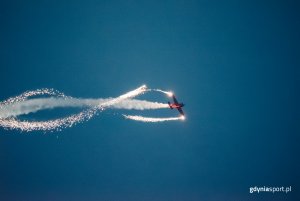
{"x":174,"y":105}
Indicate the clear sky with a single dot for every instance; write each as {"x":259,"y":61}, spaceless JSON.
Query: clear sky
{"x":235,"y":64}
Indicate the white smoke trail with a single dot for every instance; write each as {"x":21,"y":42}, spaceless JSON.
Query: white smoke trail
{"x":128,"y":95}
{"x":169,"y":93}
{"x":60,"y":123}
{"x":152,"y":119}
{"x":35,"y":105}
{"x":28,"y":94}
{"x":20,"y":105}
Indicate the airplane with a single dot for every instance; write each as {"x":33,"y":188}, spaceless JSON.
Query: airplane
{"x":176,"y":105}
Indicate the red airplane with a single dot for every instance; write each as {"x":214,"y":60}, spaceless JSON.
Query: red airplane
{"x":176,"y":105}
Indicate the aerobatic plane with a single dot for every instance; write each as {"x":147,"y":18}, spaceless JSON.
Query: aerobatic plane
{"x":176,"y":105}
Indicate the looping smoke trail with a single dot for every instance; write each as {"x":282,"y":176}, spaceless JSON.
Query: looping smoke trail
{"x":60,"y":123}
{"x":28,"y":94}
{"x":151,"y":119}
{"x":19,"y":105}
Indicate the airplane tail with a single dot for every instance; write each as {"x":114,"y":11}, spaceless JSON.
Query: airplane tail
{"x":170,"y":105}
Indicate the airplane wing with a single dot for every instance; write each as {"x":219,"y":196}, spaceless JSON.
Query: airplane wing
{"x":175,"y":100}
{"x":180,"y":111}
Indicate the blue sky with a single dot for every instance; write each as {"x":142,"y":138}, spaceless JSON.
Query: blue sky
{"x":234,"y":64}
